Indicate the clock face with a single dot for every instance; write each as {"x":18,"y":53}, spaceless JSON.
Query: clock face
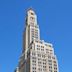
{"x":32,"y":19}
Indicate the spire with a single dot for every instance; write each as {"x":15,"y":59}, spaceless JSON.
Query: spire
{"x":30,"y":8}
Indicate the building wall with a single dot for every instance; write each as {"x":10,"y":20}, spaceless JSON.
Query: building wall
{"x":42,"y":58}
{"x":37,"y":55}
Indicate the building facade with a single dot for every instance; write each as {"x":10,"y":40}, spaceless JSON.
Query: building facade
{"x":37,"y":55}
{"x":17,"y":69}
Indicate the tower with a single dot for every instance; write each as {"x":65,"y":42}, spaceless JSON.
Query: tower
{"x":37,"y":55}
{"x":31,"y":30}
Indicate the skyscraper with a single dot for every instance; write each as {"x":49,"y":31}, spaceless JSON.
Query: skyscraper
{"x":37,"y":55}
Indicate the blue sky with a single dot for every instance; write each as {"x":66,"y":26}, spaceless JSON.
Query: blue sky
{"x":55,"y":22}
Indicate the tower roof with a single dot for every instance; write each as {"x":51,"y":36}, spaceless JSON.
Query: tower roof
{"x":30,"y":9}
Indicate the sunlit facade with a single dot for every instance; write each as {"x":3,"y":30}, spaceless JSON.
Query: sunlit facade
{"x":37,"y":55}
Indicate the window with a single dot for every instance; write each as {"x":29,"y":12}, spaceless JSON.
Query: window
{"x":36,"y":37}
{"x":50,"y":67}
{"x":36,"y":41}
{"x":32,"y":13}
{"x":49,"y":45}
{"x":36,"y":26}
{"x":55,"y":65}
{"x":49,"y":57}
{"x":40,"y":42}
{"x":54,"y":61}
{"x":39,"y":65}
{"x":55,"y":71}
{"x":44,"y":69}
{"x":50,"y":50}
{"x":42,"y":49}
{"x":34,"y":71}
{"x":39,"y":62}
{"x":33,"y":53}
{"x":34,"y":68}
{"x":31,"y":23}
{"x":34,"y":61}
{"x":46,"y":49}
{"x":44,"y":66}
{"x":39,"y":55}
{"x":33,"y":57}
{"x":43,"y":56}
{"x":38,"y":48}
{"x":53,"y":57}
{"x":39,"y":58}
{"x":44,"y":59}
{"x":44,"y":63}
{"x":49,"y":60}
{"x":38,"y":45}
{"x":50,"y":63}
{"x":32,"y":18}
{"x":36,"y":32}
{"x":50,"y":70}
{"x":34,"y":64}
{"x":39,"y":69}
{"x":55,"y":68}
{"x":41,"y":46}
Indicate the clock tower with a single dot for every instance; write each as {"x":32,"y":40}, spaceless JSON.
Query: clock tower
{"x":32,"y":30}
{"x":37,"y":55}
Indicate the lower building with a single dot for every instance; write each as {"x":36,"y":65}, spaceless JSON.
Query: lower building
{"x":39,"y":57}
